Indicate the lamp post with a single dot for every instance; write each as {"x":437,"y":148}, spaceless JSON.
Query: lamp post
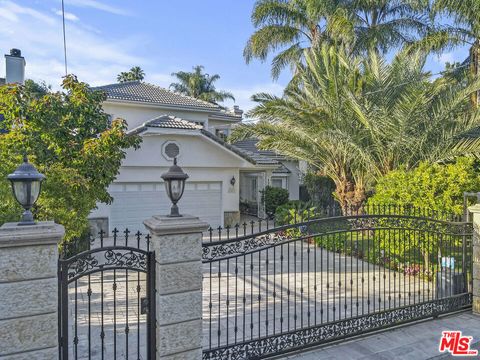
{"x":174,"y":185}
{"x":26,"y":184}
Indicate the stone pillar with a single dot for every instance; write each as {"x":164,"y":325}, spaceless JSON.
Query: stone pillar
{"x":475,"y":210}
{"x":29,"y":291}
{"x":177,"y":243}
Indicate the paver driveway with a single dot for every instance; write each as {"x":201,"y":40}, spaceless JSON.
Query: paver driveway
{"x":299,"y":285}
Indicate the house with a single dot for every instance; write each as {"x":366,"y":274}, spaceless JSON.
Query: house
{"x":171,"y":125}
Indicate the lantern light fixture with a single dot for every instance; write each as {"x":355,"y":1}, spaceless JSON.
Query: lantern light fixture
{"x":26,"y":185}
{"x":174,"y":180}
{"x":233,"y":181}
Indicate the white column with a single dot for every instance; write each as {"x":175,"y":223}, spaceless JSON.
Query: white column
{"x":177,"y":243}
{"x":29,"y":291}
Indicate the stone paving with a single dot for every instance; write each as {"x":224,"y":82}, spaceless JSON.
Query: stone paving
{"x":117,"y":314}
{"x":417,"y":341}
{"x":287,"y":287}
{"x":297,"y":285}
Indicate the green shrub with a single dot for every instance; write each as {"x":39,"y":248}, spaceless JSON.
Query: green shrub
{"x":437,"y":187}
{"x":285,"y":214}
{"x":273,"y":197}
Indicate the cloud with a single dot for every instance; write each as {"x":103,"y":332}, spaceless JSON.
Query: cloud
{"x":68,"y":15}
{"x":11,"y":11}
{"x":98,"y":6}
{"x":93,"y":57}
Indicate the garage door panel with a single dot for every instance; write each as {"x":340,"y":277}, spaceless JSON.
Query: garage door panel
{"x":135,"y":202}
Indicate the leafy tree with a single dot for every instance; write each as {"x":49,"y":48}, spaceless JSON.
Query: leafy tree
{"x":199,"y":85}
{"x":69,"y":138}
{"x":135,"y":73}
{"x":356,"y":119}
{"x":291,"y":26}
{"x":37,"y":89}
{"x":437,"y":187}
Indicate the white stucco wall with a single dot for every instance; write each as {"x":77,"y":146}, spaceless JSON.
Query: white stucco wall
{"x":136,"y":115}
{"x":293,"y":179}
{"x":201,"y":158}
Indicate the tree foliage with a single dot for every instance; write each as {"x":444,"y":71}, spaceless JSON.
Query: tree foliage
{"x":135,"y":73}
{"x":356,"y":119}
{"x":433,"y":187}
{"x":199,"y":85}
{"x":71,"y":140}
{"x":288,"y":27}
{"x":437,"y":187}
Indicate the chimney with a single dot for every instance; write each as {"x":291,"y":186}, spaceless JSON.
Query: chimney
{"x":15,"y":67}
{"x":237,"y":111}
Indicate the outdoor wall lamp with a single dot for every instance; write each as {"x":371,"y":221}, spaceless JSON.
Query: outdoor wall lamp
{"x":233,"y":181}
{"x":174,"y":185}
{"x":26,"y":183}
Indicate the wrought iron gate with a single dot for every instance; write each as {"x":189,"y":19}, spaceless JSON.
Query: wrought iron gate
{"x":327,"y":275}
{"x":107,"y":298}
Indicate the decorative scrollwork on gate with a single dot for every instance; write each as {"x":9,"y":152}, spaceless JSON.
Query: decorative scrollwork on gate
{"x":327,"y":332}
{"x":103,"y":259}
{"x":211,"y":252}
{"x":319,"y":227}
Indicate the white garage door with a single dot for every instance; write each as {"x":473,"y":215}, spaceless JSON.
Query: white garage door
{"x":135,"y":202}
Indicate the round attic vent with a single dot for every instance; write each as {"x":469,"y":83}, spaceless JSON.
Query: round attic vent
{"x":171,"y":150}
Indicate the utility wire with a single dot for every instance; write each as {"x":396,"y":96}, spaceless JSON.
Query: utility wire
{"x":64,"y":38}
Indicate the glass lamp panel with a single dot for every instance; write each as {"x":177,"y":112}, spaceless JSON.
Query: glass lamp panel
{"x":176,"y":189}
{"x":20,"y":188}
{"x":35,"y":191}
{"x":167,"y":188}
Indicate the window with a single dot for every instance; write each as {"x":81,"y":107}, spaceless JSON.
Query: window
{"x":277,"y":183}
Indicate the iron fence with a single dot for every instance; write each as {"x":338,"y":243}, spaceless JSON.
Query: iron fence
{"x":327,"y":275}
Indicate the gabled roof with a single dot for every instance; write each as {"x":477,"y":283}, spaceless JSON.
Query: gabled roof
{"x":172,"y":122}
{"x":282,"y":169}
{"x":148,"y":93}
{"x":249,"y":146}
{"x":166,"y":122}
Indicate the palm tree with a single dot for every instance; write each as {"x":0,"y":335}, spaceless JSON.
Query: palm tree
{"x":135,"y":73}
{"x":466,"y":29}
{"x":355,"y":119}
{"x":386,"y":24}
{"x":290,"y":26}
{"x":199,"y":85}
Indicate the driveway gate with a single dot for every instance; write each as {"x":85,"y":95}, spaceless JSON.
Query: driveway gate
{"x":106,"y":298}
{"x":329,"y":275}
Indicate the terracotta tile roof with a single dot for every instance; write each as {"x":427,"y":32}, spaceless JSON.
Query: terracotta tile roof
{"x":148,"y":93}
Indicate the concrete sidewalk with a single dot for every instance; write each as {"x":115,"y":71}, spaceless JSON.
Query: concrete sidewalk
{"x":418,"y":341}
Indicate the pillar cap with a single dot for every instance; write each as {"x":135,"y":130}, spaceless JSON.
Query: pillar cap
{"x":42,"y":233}
{"x":475,"y":209}
{"x":165,"y":225}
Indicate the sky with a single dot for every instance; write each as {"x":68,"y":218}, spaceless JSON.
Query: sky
{"x":105,"y":37}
